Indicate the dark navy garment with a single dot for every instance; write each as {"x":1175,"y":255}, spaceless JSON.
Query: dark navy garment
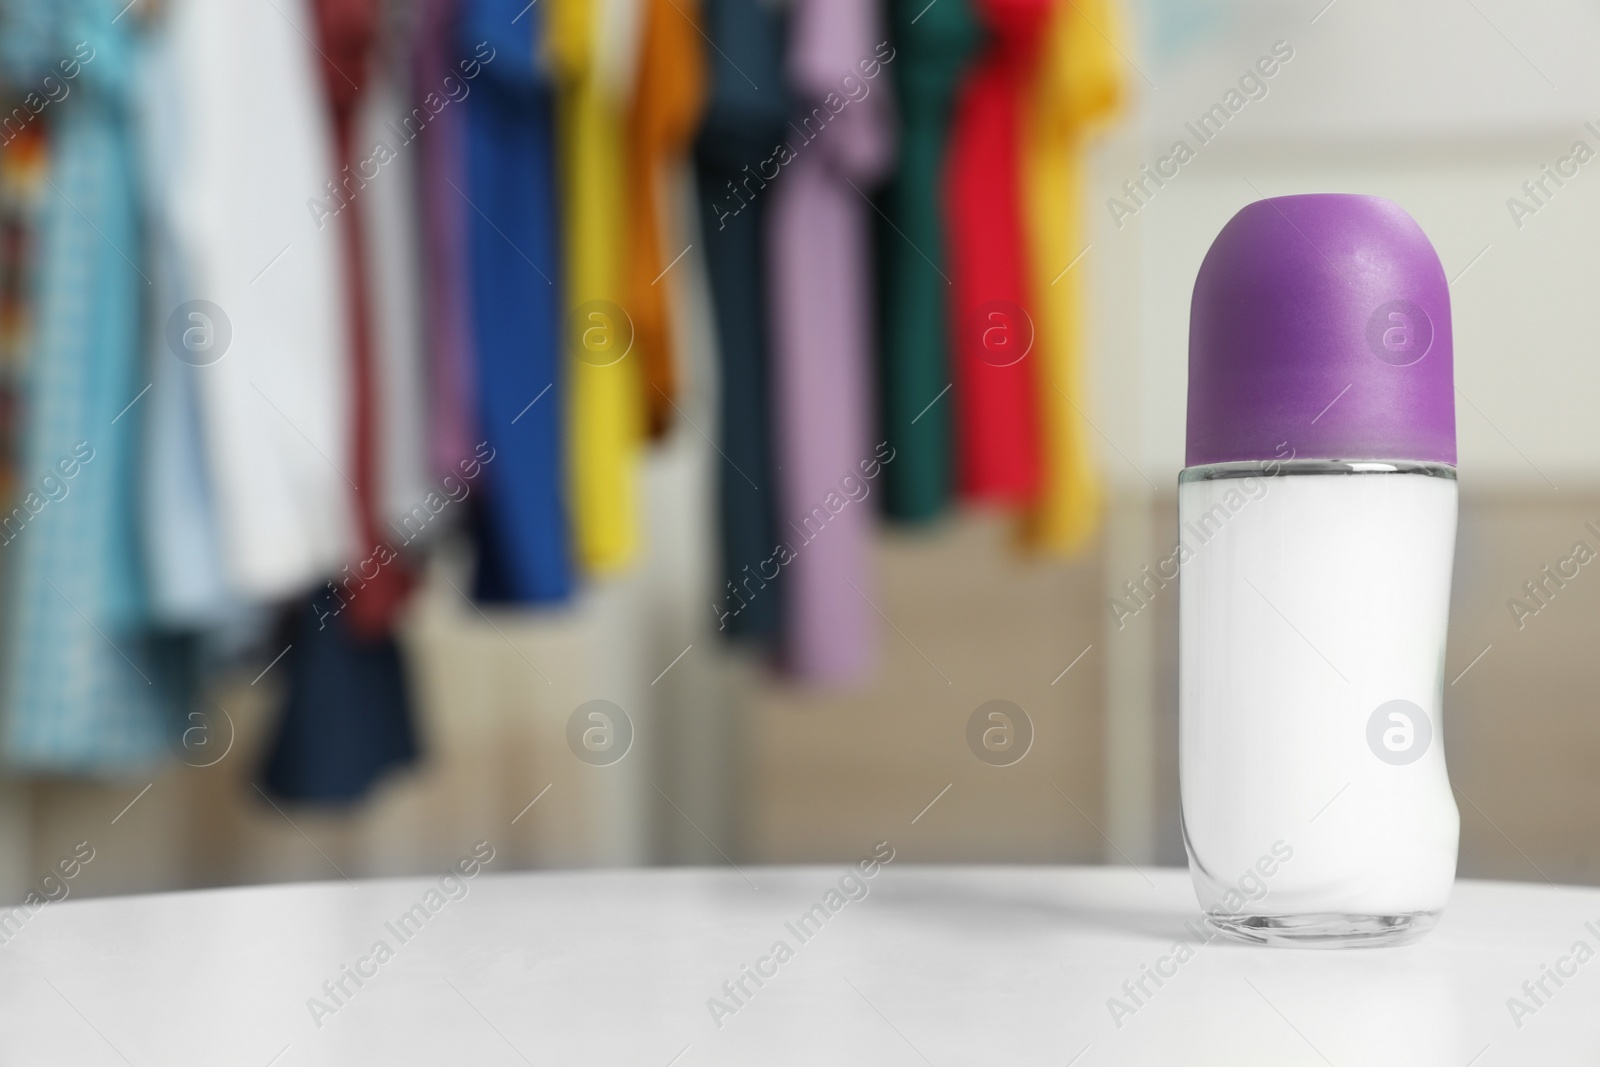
{"x":322,"y":758}
{"x":744,"y":124}
{"x":520,"y":522}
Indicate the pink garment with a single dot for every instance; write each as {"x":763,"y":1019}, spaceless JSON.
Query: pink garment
{"x":819,"y":250}
{"x":452,"y":371}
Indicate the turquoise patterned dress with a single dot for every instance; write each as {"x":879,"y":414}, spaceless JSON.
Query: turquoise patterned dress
{"x":82,"y":689}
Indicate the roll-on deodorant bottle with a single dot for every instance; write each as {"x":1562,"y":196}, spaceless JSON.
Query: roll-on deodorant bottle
{"x":1317,"y":520}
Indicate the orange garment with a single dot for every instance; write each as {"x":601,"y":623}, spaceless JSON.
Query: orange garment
{"x":668,"y":97}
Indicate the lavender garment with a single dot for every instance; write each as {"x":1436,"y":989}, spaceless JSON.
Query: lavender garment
{"x":453,"y":430}
{"x":1321,"y":324}
{"x":822,"y":285}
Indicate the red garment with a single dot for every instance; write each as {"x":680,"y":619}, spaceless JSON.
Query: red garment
{"x":374,"y":587}
{"x":998,"y":454}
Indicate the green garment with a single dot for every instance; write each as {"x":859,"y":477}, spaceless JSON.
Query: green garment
{"x":934,"y":44}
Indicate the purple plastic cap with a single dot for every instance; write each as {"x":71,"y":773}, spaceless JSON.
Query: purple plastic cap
{"x":1321,"y":323}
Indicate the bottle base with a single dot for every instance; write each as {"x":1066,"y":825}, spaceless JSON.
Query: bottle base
{"x":1324,"y":930}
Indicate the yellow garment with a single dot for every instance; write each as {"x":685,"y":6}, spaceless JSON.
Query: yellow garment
{"x":1078,"y":84}
{"x":666,"y":109}
{"x":605,"y":420}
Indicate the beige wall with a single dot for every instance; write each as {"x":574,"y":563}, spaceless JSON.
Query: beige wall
{"x":821,"y":773}
{"x":969,"y":621}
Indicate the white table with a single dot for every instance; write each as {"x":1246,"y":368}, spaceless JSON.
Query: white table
{"x":936,"y":965}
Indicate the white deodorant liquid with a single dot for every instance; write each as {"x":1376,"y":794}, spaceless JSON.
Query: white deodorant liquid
{"x":1314,"y":598}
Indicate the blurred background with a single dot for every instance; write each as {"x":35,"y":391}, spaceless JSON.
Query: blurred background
{"x":642,"y":431}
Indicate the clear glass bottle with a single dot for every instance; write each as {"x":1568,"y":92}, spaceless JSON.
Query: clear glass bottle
{"x":1317,"y":519}
{"x":1314,"y":598}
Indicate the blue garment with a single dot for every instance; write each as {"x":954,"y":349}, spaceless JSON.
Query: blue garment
{"x":84,"y":689}
{"x":347,"y":719}
{"x":514,"y":241}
